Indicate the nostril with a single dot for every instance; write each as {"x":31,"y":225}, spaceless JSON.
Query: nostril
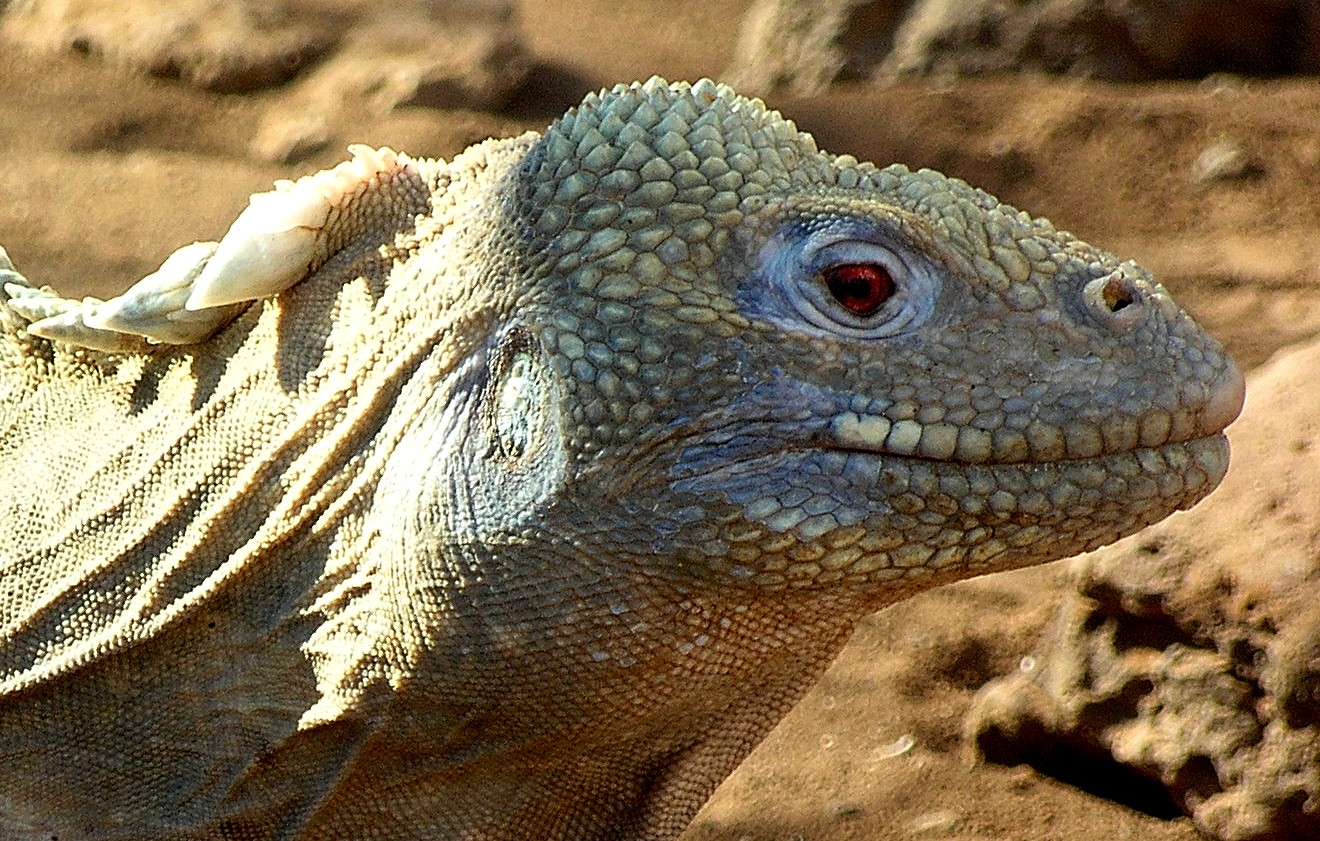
{"x":1115,"y":299}
{"x":1118,"y":294}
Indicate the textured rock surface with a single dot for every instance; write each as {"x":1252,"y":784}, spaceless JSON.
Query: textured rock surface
{"x":434,"y":53}
{"x":346,"y":56}
{"x":221,"y":45}
{"x":806,"y":45}
{"x":1121,"y":40}
{"x":1187,"y":660}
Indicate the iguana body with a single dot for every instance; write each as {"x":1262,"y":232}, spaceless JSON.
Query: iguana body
{"x":537,"y":486}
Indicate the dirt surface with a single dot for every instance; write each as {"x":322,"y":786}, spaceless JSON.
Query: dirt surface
{"x":1214,"y":185}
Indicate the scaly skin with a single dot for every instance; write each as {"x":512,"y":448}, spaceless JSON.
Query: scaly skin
{"x":537,"y":486}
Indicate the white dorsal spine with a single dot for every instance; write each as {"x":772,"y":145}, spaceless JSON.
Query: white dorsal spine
{"x":275,"y":240}
{"x":273,"y":244}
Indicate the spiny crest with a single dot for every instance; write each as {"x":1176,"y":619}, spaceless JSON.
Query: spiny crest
{"x":276,"y":241}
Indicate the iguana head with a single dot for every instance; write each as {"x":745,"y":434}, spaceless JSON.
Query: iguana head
{"x":691,"y":338}
{"x":787,"y":368}
{"x":672,"y":330}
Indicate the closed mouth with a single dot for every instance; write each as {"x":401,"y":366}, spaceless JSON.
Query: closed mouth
{"x":947,"y":443}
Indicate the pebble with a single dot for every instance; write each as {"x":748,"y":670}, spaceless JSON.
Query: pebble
{"x":1226,"y":160}
{"x":940,"y":821}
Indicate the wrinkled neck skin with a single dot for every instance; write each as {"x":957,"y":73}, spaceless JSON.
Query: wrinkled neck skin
{"x":547,"y":661}
{"x":613,"y":717}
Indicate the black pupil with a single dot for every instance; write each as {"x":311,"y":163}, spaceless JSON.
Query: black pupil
{"x":861,"y":288}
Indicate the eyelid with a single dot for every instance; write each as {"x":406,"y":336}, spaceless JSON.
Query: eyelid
{"x":856,"y":251}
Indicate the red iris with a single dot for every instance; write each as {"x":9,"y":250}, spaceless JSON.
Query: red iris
{"x":861,"y":288}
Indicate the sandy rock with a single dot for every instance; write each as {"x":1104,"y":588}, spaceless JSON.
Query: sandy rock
{"x":449,"y":54}
{"x":805,"y":44}
{"x":1190,"y":653}
{"x":227,"y":46}
{"x":336,"y":57}
{"x":1224,"y":160}
{"x":939,"y":823}
{"x":434,"y":53}
{"x":287,"y":140}
{"x":1120,"y":40}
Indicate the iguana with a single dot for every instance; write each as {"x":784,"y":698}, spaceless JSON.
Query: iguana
{"x":518,"y":497}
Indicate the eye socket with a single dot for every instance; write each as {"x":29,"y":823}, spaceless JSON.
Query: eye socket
{"x":860,"y":288}
{"x":853,"y":278}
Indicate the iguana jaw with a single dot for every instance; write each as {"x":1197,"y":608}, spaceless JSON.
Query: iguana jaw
{"x":861,"y":498}
{"x":820,"y":516}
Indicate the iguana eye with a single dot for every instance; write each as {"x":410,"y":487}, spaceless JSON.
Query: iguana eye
{"x":860,"y":288}
{"x":846,"y":277}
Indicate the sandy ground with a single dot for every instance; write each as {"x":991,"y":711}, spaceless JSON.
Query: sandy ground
{"x":103,"y":173}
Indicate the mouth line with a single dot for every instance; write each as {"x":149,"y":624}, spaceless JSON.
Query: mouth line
{"x":1205,"y":455}
{"x":750,"y":460}
{"x":832,"y":446}
{"x":951,"y":443}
